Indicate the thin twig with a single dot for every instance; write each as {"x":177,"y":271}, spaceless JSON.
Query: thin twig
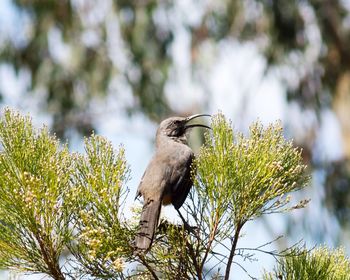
{"x":220,"y":261}
{"x":211,"y":239}
{"x":242,"y":267}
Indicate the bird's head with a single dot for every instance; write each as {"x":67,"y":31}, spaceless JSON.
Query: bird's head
{"x":176,"y":127}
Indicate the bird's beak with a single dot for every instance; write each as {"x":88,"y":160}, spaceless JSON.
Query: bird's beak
{"x":196,"y":116}
{"x":196,"y":125}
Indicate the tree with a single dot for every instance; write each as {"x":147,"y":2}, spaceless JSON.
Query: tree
{"x":59,"y":205}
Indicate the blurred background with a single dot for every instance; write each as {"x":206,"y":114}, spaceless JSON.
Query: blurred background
{"x":119,"y":67}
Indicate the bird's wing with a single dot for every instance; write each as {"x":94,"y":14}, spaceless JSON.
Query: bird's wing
{"x":168,"y":175}
{"x":155,"y":178}
{"x":152,"y":187}
{"x":182,"y":179}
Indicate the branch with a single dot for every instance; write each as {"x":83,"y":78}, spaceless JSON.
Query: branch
{"x":52,"y":265}
{"x":289,"y":252}
{"x":190,"y":247}
{"x":233,"y":249}
{"x":150,"y":269}
{"x":194,"y":259}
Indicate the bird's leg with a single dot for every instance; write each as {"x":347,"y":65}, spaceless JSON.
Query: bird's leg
{"x":186,"y":225}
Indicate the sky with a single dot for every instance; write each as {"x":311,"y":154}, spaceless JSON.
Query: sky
{"x":243,"y":96}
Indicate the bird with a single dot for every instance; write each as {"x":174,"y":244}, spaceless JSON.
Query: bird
{"x":167,"y":178}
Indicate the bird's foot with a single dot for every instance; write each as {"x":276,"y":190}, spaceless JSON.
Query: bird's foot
{"x":187,"y":227}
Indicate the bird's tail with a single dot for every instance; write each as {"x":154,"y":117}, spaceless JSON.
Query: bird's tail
{"x":148,"y":224}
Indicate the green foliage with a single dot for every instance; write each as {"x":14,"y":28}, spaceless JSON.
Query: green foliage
{"x":34,"y":181}
{"x":102,"y":238}
{"x":241,"y":178}
{"x":52,"y":200}
{"x":320,"y":264}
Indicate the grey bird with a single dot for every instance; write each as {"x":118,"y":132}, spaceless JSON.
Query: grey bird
{"x":167,"y":178}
